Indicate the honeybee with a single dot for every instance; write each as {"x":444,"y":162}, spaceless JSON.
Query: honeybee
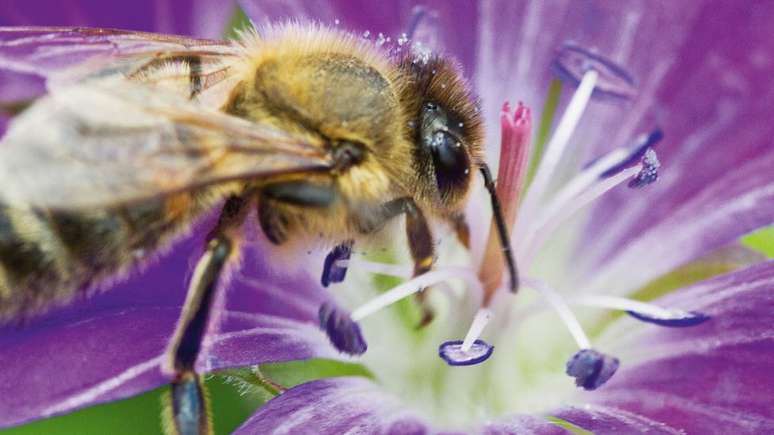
{"x":319,"y":131}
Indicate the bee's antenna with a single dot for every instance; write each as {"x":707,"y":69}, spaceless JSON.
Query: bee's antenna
{"x":502,"y":229}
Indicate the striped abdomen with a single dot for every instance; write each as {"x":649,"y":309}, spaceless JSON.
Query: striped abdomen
{"x":47,"y":257}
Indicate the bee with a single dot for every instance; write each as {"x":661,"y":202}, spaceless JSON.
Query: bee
{"x":317,"y":132}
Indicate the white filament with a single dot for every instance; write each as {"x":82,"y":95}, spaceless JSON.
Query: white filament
{"x":476,"y":328}
{"x":545,"y":228}
{"x":398,"y":270}
{"x":558,"y":143}
{"x":562,"y":309}
{"x":415,"y":285}
{"x":574,"y":187}
{"x":624,"y":304}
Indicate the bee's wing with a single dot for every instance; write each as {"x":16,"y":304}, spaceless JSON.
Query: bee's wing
{"x":67,"y":55}
{"x":48,"y":51}
{"x":113,"y":141}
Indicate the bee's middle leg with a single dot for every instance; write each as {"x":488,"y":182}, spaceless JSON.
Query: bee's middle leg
{"x":420,"y":241}
{"x":188,"y":399}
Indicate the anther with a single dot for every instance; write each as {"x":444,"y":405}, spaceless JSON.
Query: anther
{"x":637,"y":151}
{"x":591,"y":369}
{"x":649,"y":172}
{"x":334,"y":267}
{"x":679,"y":320}
{"x":573,"y":61}
{"x":452,"y":353}
{"x":343,"y":332}
{"x":644,"y":311}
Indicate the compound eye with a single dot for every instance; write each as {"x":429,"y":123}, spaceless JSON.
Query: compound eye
{"x":452,"y":165}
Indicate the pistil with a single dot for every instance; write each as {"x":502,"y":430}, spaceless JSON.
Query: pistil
{"x":515,"y":130}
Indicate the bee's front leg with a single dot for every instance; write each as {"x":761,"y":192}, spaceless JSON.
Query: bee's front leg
{"x":421,"y":246}
{"x":187,"y":407}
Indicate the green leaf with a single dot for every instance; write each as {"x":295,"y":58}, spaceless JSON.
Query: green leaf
{"x":142,"y":414}
{"x":546,"y":122}
{"x":564,"y":424}
{"x":239,"y":20}
{"x":761,"y":241}
{"x":290,"y":374}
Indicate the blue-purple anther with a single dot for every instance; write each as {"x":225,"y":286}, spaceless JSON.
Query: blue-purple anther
{"x":691,"y":318}
{"x":591,"y":369}
{"x":637,"y":151}
{"x":332,"y":272}
{"x":342,"y":331}
{"x":452,"y":353}
{"x":649,"y":172}
{"x":573,"y":61}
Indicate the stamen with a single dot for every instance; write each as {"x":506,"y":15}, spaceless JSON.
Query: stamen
{"x":452,"y":353}
{"x":515,"y":131}
{"x":689,"y":318}
{"x":334,"y":270}
{"x":649,"y":172}
{"x":561,"y":308}
{"x":606,"y":166}
{"x":342,"y":331}
{"x":558,"y":143}
{"x":397,"y":270}
{"x":637,"y":150}
{"x":415,"y":285}
{"x":476,"y":328}
{"x":591,"y":369}
{"x":547,"y":224}
{"x":644,"y":311}
{"x":573,"y":61}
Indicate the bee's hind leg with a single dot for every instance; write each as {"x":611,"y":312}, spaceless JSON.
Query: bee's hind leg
{"x":187,"y":407}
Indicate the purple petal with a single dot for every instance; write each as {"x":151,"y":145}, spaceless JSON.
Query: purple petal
{"x":522,"y":425}
{"x":606,"y":420}
{"x":69,"y":365}
{"x":200,"y":18}
{"x":736,"y":203}
{"x":356,"y":405}
{"x":106,"y":347}
{"x":454,"y":27}
{"x":712,"y":378}
{"x":714,"y":112}
{"x":335,"y":406}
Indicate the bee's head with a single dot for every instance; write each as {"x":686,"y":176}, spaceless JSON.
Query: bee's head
{"x":446,"y":130}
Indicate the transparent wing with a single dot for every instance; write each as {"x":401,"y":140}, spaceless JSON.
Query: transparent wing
{"x":113,"y":141}
{"x":47,"y":51}
{"x":63,"y":56}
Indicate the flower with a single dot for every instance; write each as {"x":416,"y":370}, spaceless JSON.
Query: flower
{"x":661,"y":69}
